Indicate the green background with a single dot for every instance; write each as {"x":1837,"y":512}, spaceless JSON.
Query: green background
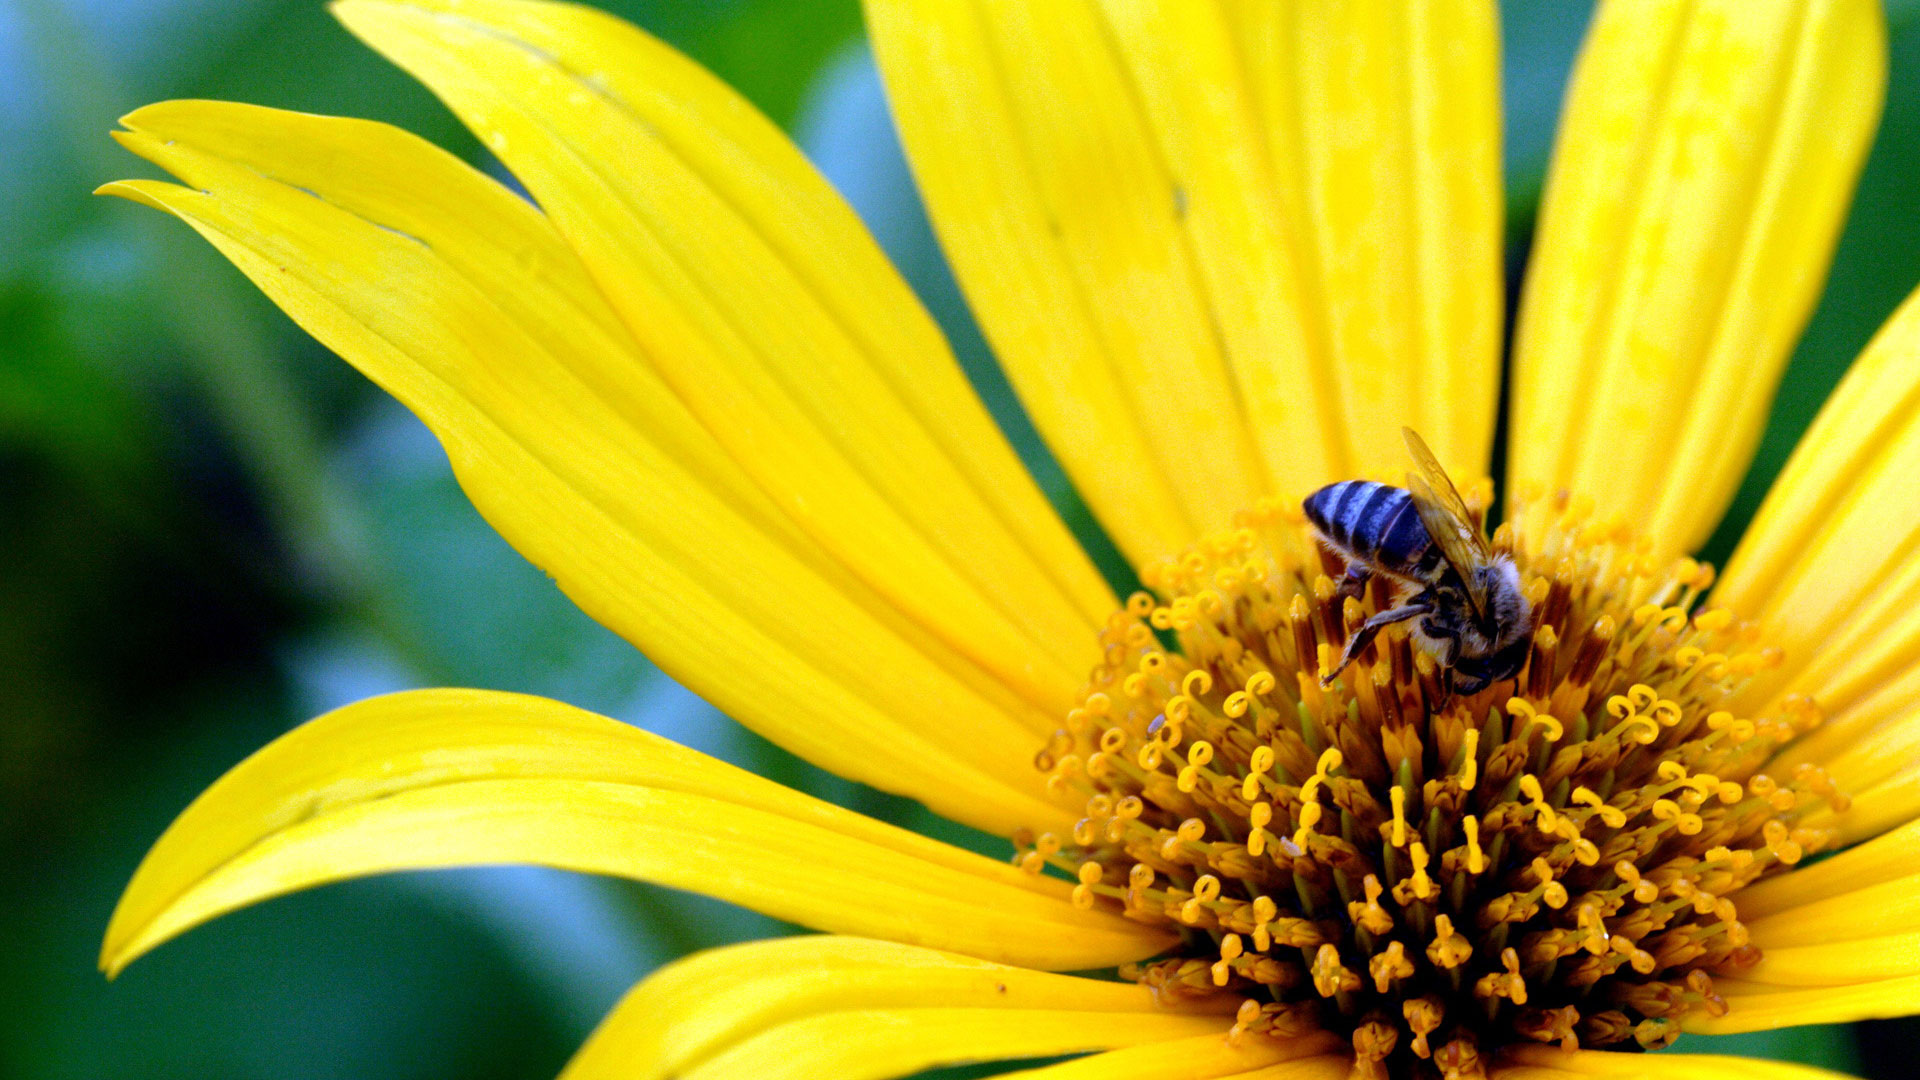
{"x":210,"y":530}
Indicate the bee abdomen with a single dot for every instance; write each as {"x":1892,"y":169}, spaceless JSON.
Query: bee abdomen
{"x":1374,"y":521}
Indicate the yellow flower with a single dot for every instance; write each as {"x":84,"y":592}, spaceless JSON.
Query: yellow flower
{"x":1224,"y":252}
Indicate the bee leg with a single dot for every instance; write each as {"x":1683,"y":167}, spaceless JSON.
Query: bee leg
{"x":1354,"y":582}
{"x":1364,"y":636}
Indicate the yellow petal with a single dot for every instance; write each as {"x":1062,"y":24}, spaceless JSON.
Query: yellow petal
{"x":1889,"y":907}
{"x":1892,"y":803}
{"x":1208,"y":1057}
{"x":1889,"y":804}
{"x":872,"y":1044}
{"x":1325,"y":1067}
{"x":439,"y":778}
{"x":691,"y":1011}
{"x":1870,"y":734}
{"x":1884,"y":858}
{"x":1872,"y":911}
{"x":856,"y":1007}
{"x":458,"y":297}
{"x":1382,"y":122}
{"x":1760,"y":1007}
{"x":1704,"y":164}
{"x":1838,"y":963}
{"x":764,"y":304}
{"x":1830,"y":567}
{"x":1208,"y":283}
{"x":1552,"y":1063}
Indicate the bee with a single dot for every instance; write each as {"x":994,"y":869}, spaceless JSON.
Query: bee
{"x":1463,"y":603}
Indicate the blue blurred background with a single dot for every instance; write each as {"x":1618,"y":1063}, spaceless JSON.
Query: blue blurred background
{"x":210,"y":530}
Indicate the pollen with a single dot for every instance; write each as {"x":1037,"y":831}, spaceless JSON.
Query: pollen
{"x":1555,"y":859}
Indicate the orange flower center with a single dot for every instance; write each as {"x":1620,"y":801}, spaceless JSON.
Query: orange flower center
{"x":1553,"y":859}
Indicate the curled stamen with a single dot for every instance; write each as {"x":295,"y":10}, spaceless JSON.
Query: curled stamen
{"x":1508,"y":984}
{"x":1520,"y":709}
{"x":1530,"y":787}
{"x":1476,"y":859}
{"x":1554,"y":893}
{"x":1419,"y":885}
{"x":1610,"y":816}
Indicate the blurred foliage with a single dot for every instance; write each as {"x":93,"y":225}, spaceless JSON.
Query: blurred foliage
{"x":210,"y":529}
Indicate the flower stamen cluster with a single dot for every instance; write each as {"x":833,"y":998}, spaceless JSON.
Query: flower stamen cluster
{"x":1554,"y":859}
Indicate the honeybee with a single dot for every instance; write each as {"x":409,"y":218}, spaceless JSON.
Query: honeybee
{"x":1464,"y":603}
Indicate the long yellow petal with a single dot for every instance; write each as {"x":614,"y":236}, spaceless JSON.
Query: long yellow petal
{"x":1207,"y":1057}
{"x":1889,"y":804}
{"x":1889,"y":907}
{"x":441,"y":778}
{"x":1552,"y":1063}
{"x":693,"y":1010}
{"x":458,"y":297}
{"x":1838,"y":963}
{"x":1207,"y":281}
{"x":875,"y":1044}
{"x":1761,"y":1007}
{"x":1324,"y":1067}
{"x":840,"y":1006}
{"x":1872,"y":733}
{"x":1382,"y":122}
{"x":1830,"y":568}
{"x":1704,"y":164}
{"x":1884,"y":858}
{"x":765,"y":305}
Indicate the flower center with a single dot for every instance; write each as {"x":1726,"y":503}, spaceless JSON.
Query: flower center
{"x":1553,"y":859}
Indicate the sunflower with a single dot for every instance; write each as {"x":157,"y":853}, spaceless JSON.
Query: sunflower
{"x":1224,"y":253}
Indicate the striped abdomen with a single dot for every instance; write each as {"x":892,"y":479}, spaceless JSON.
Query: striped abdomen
{"x":1376,"y":524}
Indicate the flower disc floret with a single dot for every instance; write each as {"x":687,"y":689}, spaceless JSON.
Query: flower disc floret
{"x":1555,"y":859}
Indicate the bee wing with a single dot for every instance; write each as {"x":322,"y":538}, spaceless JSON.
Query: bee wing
{"x":1445,"y":515}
